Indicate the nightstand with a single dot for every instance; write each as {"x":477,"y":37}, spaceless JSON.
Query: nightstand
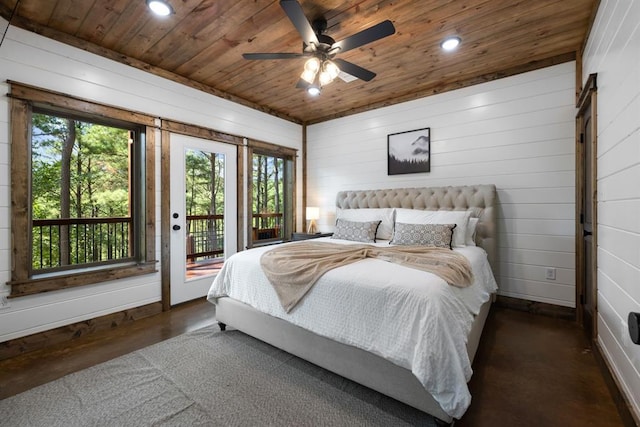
{"x":306,"y":236}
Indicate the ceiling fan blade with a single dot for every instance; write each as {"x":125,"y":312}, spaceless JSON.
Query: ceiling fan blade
{"x":295,"y":13}
{"x":377,"y":32}
{"x":272,"y":55}
{"x":354,"y":70}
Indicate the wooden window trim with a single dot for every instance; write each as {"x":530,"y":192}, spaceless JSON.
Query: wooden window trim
{"x":200,"y":132}
{"x":23,"y":99}
{"x":272,"y":149}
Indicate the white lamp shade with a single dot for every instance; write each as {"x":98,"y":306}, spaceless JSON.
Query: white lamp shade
{"x":313,"y":213}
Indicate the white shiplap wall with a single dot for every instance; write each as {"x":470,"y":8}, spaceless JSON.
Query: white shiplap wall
{"x":613,"y":52}
{"x":516,"y":132}
{"x":28,"y":58}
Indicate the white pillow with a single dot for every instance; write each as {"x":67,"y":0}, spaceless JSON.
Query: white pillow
{"x":460,"y":218}
{"x":471,"y":231}
{"x":386,"y":216}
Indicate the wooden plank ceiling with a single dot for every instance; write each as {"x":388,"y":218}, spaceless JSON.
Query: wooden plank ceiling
{"x":203,"y":42}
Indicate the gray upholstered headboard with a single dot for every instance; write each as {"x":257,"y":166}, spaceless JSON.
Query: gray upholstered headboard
{"x":481,"y":199}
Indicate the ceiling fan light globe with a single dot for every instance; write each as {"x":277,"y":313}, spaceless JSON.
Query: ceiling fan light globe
{"x":308,"y":76}
{"x":324,"y":78}
{"x":332,"y":69}
{"x":313,"y":90}
{"x":312,"y":65}
{"x":160,"y":7}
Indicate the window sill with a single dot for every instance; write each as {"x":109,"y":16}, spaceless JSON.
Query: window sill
{"x":64,"y":281}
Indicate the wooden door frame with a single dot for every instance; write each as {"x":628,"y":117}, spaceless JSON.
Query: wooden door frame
{"x":166,"y":128}
{"x":587,"y":98}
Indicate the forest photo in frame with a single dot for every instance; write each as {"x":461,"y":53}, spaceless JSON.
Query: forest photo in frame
{"x":409,"y":152}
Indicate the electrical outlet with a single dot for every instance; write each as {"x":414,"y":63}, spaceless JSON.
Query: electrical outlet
{"x":4,"y":302}
{"x":550,"y":273}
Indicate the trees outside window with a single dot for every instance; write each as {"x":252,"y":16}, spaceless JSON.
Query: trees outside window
{"x":81,"y":206}
{"x":268,"y":188}
{"x":204,"y":205}
{"x":272,"y":195}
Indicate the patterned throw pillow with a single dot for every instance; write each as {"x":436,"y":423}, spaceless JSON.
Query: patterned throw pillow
{"x":356,"y":231}
{"x":386,"y":215}
{"x":438,"y":235}
{"x":417,"y":216}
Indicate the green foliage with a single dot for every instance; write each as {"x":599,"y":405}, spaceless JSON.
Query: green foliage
{"x":99,"y":169}
{"x":268,"y":184}
{"x":204,"y":183}
{"x":98,"y":187}
{"x":45,"y":184}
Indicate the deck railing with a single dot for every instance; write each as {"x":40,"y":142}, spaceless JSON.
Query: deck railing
{"x":75,"y":241}
{"x":205,"y":237}
{"x":267,"y":227}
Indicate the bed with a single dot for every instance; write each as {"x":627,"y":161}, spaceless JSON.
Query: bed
{"x":386,"y":348}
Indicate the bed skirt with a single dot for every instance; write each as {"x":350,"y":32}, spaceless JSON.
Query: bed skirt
{"x":350,"y":362}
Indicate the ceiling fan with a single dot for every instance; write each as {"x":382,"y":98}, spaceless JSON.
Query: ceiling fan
{"x":323,"y":67}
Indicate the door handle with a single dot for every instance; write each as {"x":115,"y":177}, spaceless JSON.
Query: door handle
{"x":176,"y":227}
{"x":586,"y":233}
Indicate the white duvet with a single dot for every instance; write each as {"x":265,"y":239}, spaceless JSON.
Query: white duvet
{"x":409,"y":317}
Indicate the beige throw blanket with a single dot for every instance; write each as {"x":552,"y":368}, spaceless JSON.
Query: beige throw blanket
{"x":293,"y":269}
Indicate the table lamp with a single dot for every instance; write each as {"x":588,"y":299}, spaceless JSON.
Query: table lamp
{"x":313,"y":213}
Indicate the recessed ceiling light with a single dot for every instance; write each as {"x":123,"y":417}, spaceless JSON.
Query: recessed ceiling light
{"x":450,"y":43}
{"x":160,"y":7}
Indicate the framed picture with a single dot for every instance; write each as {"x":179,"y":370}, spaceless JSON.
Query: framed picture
{"x":409,"y":152}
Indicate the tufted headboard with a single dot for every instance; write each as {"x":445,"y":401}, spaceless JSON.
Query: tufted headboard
{"x":480,"y":199}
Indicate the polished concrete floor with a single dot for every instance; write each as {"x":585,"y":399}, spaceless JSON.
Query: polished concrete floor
{"x":530,"y":370}
{"x":533,"y":370}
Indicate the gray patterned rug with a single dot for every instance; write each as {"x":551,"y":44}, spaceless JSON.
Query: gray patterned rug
{"x":206,"y":378}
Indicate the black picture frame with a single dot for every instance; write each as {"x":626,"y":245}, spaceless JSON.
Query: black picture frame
{"x":409,"y":152}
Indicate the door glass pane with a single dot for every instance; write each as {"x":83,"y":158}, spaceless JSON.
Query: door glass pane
{"x":204,"y":202}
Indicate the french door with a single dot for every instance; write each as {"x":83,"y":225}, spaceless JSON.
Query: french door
{"x":203,"y":187}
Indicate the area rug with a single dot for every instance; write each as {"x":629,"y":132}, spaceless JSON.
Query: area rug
{"x":206,"y":378}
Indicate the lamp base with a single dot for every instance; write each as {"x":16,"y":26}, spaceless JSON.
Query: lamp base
{"x":312,"y":227}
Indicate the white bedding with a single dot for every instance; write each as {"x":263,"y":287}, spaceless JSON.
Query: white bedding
{"x":409,"y":317}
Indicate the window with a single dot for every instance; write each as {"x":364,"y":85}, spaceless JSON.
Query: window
{"x":82,"y":191}
{"x":272,"y":194}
